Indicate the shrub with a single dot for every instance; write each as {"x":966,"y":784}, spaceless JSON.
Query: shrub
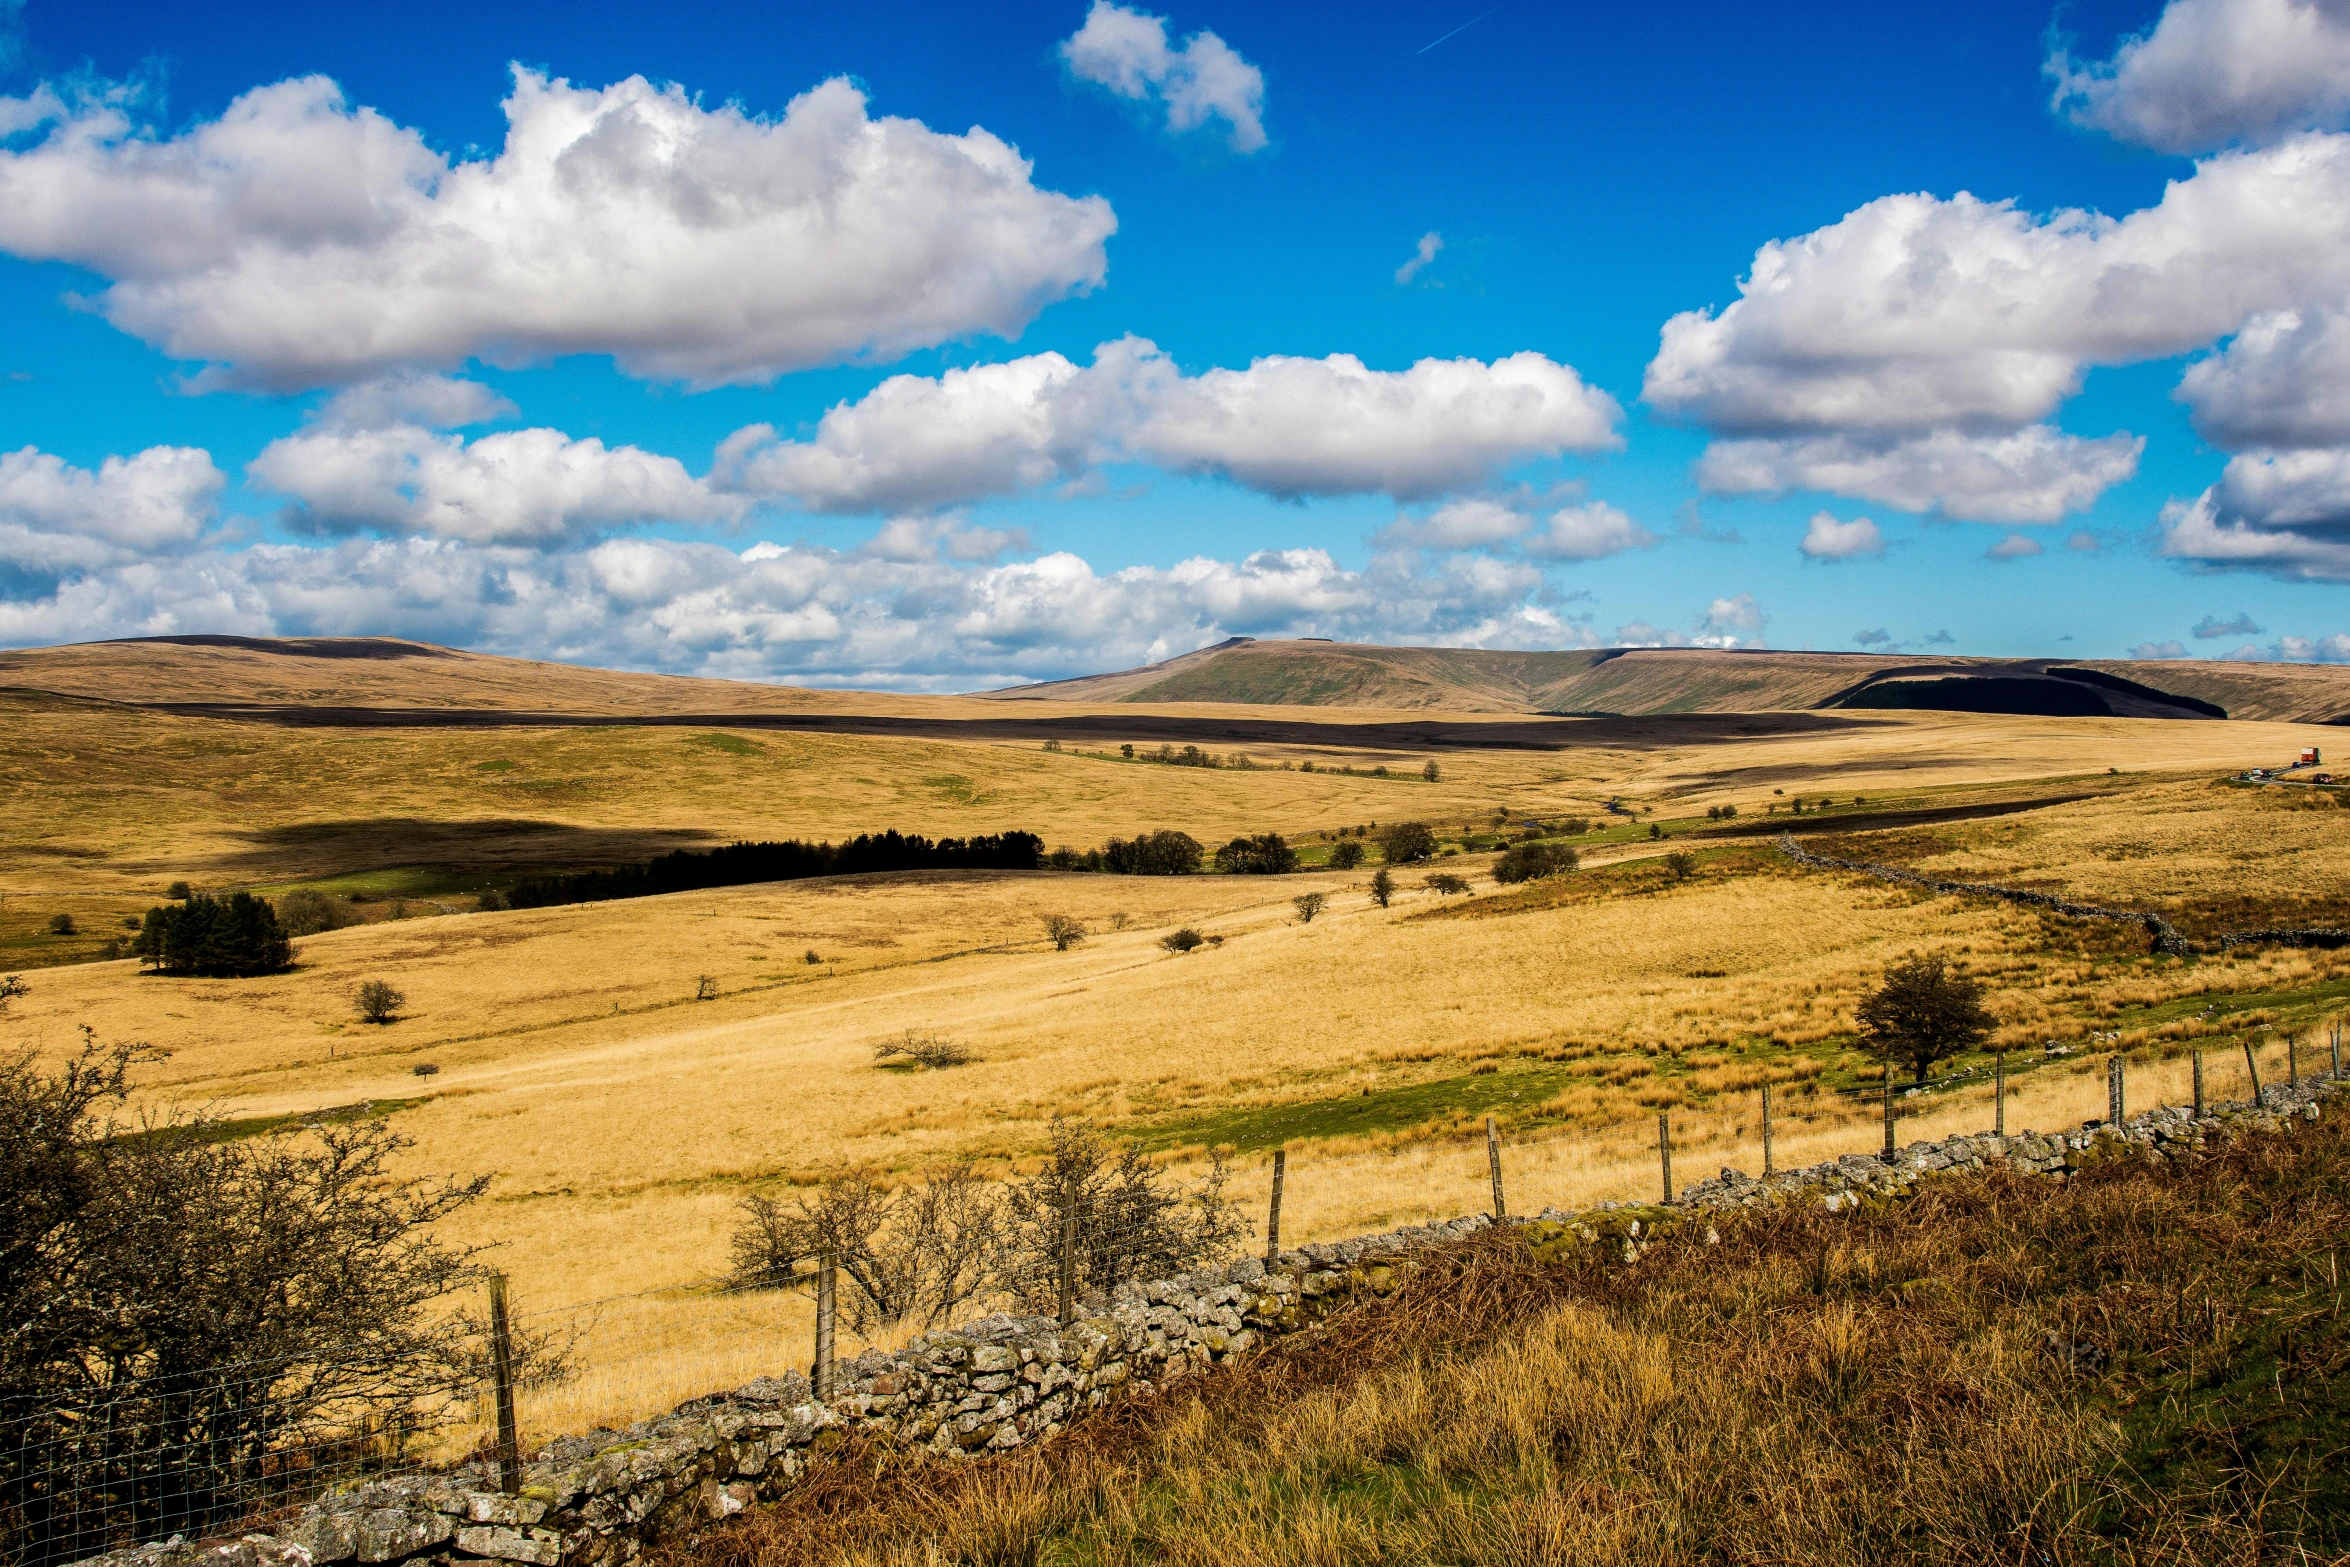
{"x":706,"y":987}
{"x":1530,"y":861}
{"x":305,"y":913}
{"x":378,"y":1002}
{"x":811,"y":959}
{"x":305,"y":1258}
{"x":1923,"y":1013}
{"x":1682,"y":864}
{"x":219,"y":938}
{"x":1656,"y":829}
{"x":1163,"y":853}
{"x":918,"y":1254}
{"x":1432,"y":772}
{"x":1266,"y":854}
{"x":1308,"y":905}
{"x":1062,"y":931}
{"x":178,"y":892}
{"x":1131,"y":1221}
{"x":492,"y":900}
{"x":1182,"y":941}
{"x":1446,"y":883}
{"x":1407,"y":843}
{"x":61,"y":925}
{"x":1574,"y":827}
{"x":932,"y":1052}
{"x":11,"y":987}
{"x":1383,"y":886}
{"x":425,"y":1069}
{"x":1346,"y":854}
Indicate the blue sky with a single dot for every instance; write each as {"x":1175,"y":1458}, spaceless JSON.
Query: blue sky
{"x":519,"y":328}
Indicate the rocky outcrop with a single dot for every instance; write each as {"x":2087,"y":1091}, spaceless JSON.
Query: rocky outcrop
{"x":1002,"y":1382}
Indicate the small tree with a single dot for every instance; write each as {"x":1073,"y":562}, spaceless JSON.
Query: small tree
{"x":1682,"y":864}
{"x":1447,"y":884}
{"x":178,"y":892}
{"x":378,"y":1002}
{"x":11,"y":987}
{"x":706,"y":987}
{"x":932,"y":1051}
{"x":1131,"y":1222}
{"x":1063,"y":931}
{"x":914,"y":1255}
{"x":1923,"y":1013}
{"x":1182,"y":941}
{"x":1407,"y":843}
{"x":305,"y":912}
{"x":1383,"y":886}
{"x":1308,"y":905}
{"x":1432,"y":772}
{"x":61,"y":925}
{"x":1346,"y":854}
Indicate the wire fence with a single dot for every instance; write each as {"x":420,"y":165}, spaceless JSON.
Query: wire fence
{"x":147,"y":1452}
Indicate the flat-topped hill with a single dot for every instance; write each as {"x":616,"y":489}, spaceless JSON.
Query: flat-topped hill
{"x":1649,"y":681}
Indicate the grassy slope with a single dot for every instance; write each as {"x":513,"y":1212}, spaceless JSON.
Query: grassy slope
{"x":1865,"y":1389}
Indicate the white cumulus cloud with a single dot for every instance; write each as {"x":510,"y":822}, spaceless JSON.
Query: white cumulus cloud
{"x":2016,"y":546}
{"x":2283,"y":381}
{"x":2036,"y":474}
{"x":1591,"y":531}
{"x":2172,"y":649}
{"x":1827,"y":538}
{"x":1286,"y":426}
{"x":297,"y":241}
{"x":1203,"y":79}
{"x":2216,"y":73}
{"x":55,"y":516}
{"x":523,"y":487}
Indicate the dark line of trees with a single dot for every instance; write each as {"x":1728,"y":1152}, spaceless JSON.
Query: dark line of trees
{"x":216,"y":938}
{"x":739,"y":864}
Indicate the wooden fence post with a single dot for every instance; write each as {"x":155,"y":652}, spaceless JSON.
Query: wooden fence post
{"x":1888,"y":1111}
{"x":502,"y":1371}
{"x":2252,"y":1066}
{"x":1767,"y":1166}
{"x":1068,"y":1311}
{"x":2198,"y":1085}
{"x":2116,"y":1107}
{"x":1493,"y":1160}
{"x":827,"y":1296}
{"x":2293,"y":1058}
{"x":1664,"y":1148}
{"x":2336,"y":1037}
{"x":1999,"y":1093}
{"x":1273,"y":1215}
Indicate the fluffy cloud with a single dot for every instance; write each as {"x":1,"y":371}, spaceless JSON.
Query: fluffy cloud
{"x":1286,"y":426}
{"x":870,"y":616}
{"x":2217,"y":530}
{"x":1474,"y":523}
{"x":1204,"y":79}
{"x":2210,"y":626}
{"x":2016,"y":546}
{"x":2283,"y":381}
{"x":1825,"y":538}
{"x":1879,"y":637}
{"x":2036,"y":474}
{"x":2172,"y":649}
{"x":57,"y":518}
{"x":525,"y":487}
{"x":1735,"y":621}
{"x":1911,"y":351}
{"x":437,"y":402}
{"x":1591,"y":531}
{"x":297,"y":241}
{"x":2214,"y":73}
{"x":2315,"y":650}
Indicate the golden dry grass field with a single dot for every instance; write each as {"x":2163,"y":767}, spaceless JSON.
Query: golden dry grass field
{"x":622,"y":1118}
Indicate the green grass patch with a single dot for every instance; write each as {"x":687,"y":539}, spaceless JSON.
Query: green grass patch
{"x":1511,"y":1091}
{"x":732,"y":745}
{"x":236,"y":1130}
{"x":399,"y":881}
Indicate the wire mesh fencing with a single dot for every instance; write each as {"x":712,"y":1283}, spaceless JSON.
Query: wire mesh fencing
{"x":136,"y":1453}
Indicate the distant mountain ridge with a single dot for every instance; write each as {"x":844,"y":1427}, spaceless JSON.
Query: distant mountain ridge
{"x":1640,"y":682}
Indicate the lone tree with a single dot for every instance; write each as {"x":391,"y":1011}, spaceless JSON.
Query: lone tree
{"x":1532,"y":861}
{"x":1346,"y":854}
{"x":1308,"y":905}
{"x":1407,"y":843}
{"x":1063,"y":931}
{"x":1923,"y":1013}
{"x":378,"y":1002}
{"x":1383,"y":886}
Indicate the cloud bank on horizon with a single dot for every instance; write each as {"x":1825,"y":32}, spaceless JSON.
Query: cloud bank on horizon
{"x":1921,"y":355}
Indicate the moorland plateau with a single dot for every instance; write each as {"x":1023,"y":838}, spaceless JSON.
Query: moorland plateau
{"x":622,"y":1117}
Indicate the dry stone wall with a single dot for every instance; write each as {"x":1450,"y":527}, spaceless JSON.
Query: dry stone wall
{"x":1000,"y":1383}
